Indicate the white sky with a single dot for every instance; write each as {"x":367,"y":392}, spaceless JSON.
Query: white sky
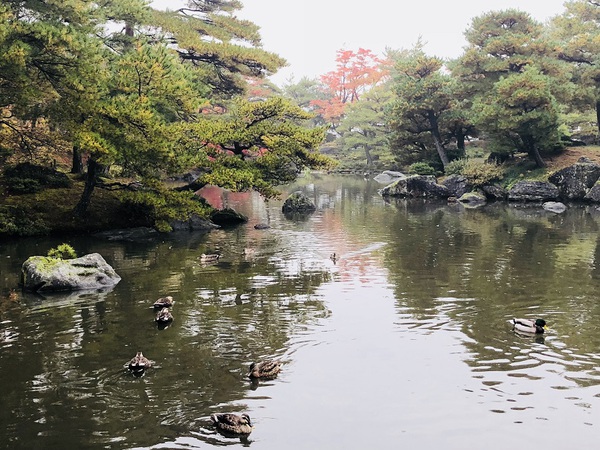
{"x":307,"y":33}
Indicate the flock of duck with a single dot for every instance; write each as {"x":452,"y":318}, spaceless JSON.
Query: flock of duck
{"x":228,"y":424}
{"x":231,"y":424}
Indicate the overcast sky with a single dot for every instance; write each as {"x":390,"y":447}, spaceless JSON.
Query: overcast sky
{"x":307,"y":33}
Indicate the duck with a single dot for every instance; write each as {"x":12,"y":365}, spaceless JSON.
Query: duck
{"x":537,"y":326}
{"x":164,"y":302}
{"x":233,"y":423}
{"x":139,"y":363}
{"x":267,"y":369}
{"x":164,"y":316}
{"x":209,"y":258}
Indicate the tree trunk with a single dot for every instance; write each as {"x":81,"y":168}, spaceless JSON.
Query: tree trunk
{"x":533,"y":151}
{"x":598,"y":120}
{"x":90,"y":184}
{"x":368,"y":155}
{"x":437,"y":138}
{"x":460,"y":143}
{"x":77,"y":164}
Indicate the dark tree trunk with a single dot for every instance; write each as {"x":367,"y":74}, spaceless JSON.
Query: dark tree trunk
{"x":437,"y":138}
{"x":533,"y":151}
{"x":368,"y":155}
{"x":77,"y":165}
{"x":460,"y":142}
{"x":598,"y":120}
{"x":90,"y":184}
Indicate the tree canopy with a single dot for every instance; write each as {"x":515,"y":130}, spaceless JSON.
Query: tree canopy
{"x":147,"y":93}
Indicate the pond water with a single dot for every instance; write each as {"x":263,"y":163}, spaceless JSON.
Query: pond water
{"x":401,"y":341}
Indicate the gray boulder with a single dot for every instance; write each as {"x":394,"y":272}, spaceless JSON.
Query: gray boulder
{"x":297,"y":202}
{"x":416,"y":186}
{"x":194,"y":223}
{"x":555,"y":207}
{"x":388,"y":176}
{"x":533,"y":191}
{"x":457,"y":185}
{"x":593,"y":194}
{"x":575,"y":181}
{"x":494,"y":192}
{"x":45,"y":274}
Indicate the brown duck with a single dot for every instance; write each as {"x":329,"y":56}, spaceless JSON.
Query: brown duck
{"x":164,"y":316}
{"x":139,"y":363}
{"x":164,"y":302}
{"x":266,"y":370}
{"x":232,"y":423}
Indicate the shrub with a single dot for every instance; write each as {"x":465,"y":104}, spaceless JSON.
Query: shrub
{"x":481,"y":173}
{"x":456,"y":167}
{"x":63,"y":251}
{"x":16,"y":221}
{"x":421,"y":168}
{"x":27,"y":178}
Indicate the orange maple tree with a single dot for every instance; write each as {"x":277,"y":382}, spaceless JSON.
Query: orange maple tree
{"x":355,"y":73}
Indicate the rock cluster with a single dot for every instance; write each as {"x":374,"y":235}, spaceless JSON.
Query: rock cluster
{"x":579,"y":182}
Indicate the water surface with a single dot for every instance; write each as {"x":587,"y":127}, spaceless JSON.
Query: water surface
{"x":400,"y":341}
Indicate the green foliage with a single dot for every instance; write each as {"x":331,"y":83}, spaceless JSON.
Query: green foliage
{"x":62,"y":251}
{"x":223,"y":48}
{"x":258,"y":145}
{"x":521,"y":114}
{"x":477,"y":173}
{"x":159,"y":208}
{"x":26,"y":178}
{"x":15,"y":221}
{"x":425,"y":114}
{"x":525,"y":169}
{"x":421,"y":168}
{"x":456,"y":167}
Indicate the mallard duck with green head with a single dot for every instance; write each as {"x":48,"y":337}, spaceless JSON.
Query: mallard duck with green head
{"x":139,"y":363}
{"x":266,"y":370}
{"x":537,"y":326}
{"x":233,"y":423}
{"x":164,"y":302}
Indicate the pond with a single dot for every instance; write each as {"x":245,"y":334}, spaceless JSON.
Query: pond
{"x":402,"y":340}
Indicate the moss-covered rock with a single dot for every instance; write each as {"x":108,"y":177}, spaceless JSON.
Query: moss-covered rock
{"x":46,"y":274}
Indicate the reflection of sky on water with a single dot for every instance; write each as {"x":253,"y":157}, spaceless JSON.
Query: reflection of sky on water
{"x":401,"y":341}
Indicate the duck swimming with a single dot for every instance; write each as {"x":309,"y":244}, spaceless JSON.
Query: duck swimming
{"x":164,"y":302}
{"x":267,"y":369}
{"x":139,"y":363}
{"x":537,"y":326}
{"x":232,"y":423}
{"x":164,"y":316}
{"x":209,"y":258}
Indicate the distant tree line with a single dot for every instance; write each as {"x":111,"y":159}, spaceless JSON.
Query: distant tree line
{"x":523,"y":86}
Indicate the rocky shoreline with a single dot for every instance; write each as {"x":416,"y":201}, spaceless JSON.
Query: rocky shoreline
{"x":579,"y":182}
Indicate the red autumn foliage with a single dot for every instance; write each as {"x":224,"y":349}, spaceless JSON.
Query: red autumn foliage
{"x":355,"y":74}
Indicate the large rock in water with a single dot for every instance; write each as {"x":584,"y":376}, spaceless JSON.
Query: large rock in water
{"x":298,"y":203}
{"x":388,"y":176}
{"x":45,"y":274}
{"x":416,"y":186}
{"x":228,"y":217}
{"x":574,"y":182}
{"x":533,"y":191}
